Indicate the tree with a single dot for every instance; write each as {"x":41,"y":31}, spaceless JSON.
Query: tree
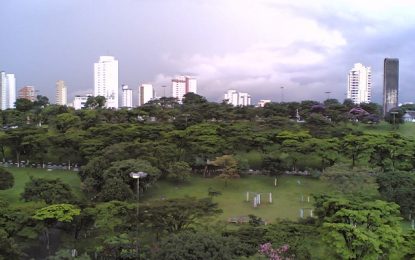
{"x":357,"y":229}
{"x":179,"y":172}
{"x":228,"y":167}
{"x":23,"y":105}
{"x":173,"y":215}
{"x":115,"y":189}
{"x":66,"y":121}
{"x":121,"y":170}
{"x":399,"y":187}
{"x":50,"y":191}
{"x":199,"y":245}
{"x":55,"y":213}
{"x":6,"y":179}
{"x":95,"y":102}
{"x":355,"y":146}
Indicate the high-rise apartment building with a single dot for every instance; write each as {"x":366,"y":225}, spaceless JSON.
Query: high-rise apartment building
{"x":182,"y":85}
{"x":145,"y":93}
{"x":7,"y":90}
{"x":61,"y":93}
{"x":106,"y":80}
{"x":237,"y":98}
{"x":27,"y":92}
{"x":127,"y":97}
{"x":390,"y":84}
{"x":359,"y":84}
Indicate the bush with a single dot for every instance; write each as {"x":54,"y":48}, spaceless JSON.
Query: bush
{"x":6,"y":179}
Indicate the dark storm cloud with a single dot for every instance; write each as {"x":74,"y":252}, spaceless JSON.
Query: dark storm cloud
{"x":254,"y":46}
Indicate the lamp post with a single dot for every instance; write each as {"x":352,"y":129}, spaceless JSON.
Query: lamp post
{"x":394,"y":114}
{"x":138,"y":175}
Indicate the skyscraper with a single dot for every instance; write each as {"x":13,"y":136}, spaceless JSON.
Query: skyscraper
{"x":182,"y":85}
{"x":7,"y":90}
{"x":106,"y":80}
{"x":145,"y":93}
{"x":127,"y":97}
{"x":390,"y":84}
{"x":61,"y":93}
{"x":359,"y":85}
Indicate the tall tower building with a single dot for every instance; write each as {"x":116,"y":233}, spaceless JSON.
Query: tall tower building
{"x":359,"y":84}
{"x":390,"y":84}
{"x":182,"y":85}
{"x":127,"y":97}
{"x":61,"y":93}
{"x":106,"y":80}
{"x":7,"y":90}
{"x":145,"y":93}
{"x":27,"y":92}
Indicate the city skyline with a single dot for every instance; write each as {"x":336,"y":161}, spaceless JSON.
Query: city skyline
{"x":254,"y":47}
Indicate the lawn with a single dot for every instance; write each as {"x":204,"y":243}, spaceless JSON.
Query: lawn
{"x":406,"y":129}
{"x":286,"y":196}
{"x":22,"y":176}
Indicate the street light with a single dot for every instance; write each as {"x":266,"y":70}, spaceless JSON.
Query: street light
{"x":394,"y":114}
{"x":138,"y":175}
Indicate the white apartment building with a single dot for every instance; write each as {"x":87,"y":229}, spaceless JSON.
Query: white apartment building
{"x":127,"y":97}
{"x":79,"y":101}
{"x":145,"y":93}
{"x":182,"y":85}
{"x":61,"y":93}
{"x":7,"y":90}
{"x":106,"y":80}
{"x":237,"y":98}
{"x":359,"y":85}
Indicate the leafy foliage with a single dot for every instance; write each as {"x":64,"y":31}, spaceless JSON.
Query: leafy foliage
{"x":6,"y":179}
{"x":50,"y":191}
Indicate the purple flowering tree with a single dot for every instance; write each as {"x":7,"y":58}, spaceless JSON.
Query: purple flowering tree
{"x":274,"y":254}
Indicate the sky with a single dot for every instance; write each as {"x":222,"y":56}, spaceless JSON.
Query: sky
{"x":273,"y":49}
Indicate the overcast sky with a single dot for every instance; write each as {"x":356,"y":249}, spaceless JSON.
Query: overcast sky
{"x":254,"y":46}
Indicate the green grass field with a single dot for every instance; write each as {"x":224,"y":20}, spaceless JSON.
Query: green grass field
{"x":22,"y":176}
{"x":286,"y":196}
{"x":406,"y":129}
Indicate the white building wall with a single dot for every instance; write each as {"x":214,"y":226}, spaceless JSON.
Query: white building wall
{"x":237,"y":98}
{"x":262,"y":102}
{"x":359,"y":84}
{"x":145,"y":94}
{"x":127,"y":97}
{"x":182,"y":85}
{"x":79,"y":101}
{"x":106,"y":80}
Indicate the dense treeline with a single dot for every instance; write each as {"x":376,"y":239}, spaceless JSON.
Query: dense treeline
{"x":169,"y":140}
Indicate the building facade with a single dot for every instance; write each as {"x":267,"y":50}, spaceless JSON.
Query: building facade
{"x":27,"y":92}
{"x":7,"y":90}
{"x":262,"y":102}
{"x":145,"y":93}
{"x":181,"y":85}
{"x":106,"y":80}
{"x":79,"y":101}
{"x":359,"y":84}
{"x":237,"y":98}
{"x":61,"y":93}
{"x":390,"y":84}
{"x":127,"y":97}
